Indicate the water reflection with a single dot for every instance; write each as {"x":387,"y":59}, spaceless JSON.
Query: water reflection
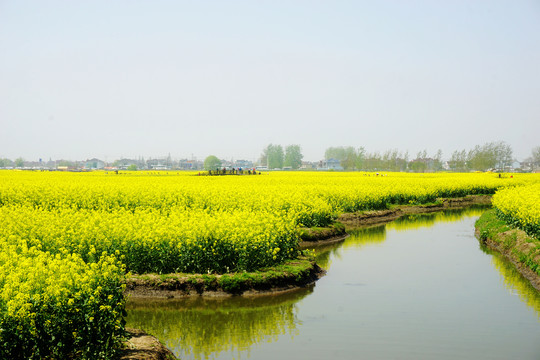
{"x":202,"y":328}
{"x":377,"y":234}
{"x":434,"y":314}
{"x":418,"y":221}
{"x":514,"y":281}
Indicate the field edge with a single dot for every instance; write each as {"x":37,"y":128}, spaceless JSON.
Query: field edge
{"x":522,"y":250}
{"x":290,"y":275}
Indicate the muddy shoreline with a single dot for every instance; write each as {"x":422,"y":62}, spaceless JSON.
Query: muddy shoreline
{"x":142,"y":346}
{"x":290,"y":276}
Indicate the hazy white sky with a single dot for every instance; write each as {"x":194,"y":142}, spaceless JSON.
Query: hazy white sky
{"x":82,"y":79}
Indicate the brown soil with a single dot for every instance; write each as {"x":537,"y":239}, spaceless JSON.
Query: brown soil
{"x":355,"y":220}
{"x":522,"y":244}
{"x":314,"y":237}
{"x":316,"y":234}
{"x":321,"y":242}
{"x":142,"y":346}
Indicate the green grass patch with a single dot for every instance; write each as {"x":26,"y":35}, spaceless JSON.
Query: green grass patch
{"x":292,"y":273}
{"x":511,"y":241}
{"x":336,"y":229}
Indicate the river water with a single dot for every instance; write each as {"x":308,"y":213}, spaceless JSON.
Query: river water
{"x":418,"y":288}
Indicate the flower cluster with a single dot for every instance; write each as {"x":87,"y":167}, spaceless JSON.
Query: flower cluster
{"x":58,"y":306}
{"x":67,"y":239}
{"x":520,"y":207}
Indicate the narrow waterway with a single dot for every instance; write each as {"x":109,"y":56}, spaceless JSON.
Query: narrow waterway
{"x":417,"y":288}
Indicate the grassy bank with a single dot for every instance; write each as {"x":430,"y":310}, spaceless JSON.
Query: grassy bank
{"x":291,"y":274}
{"x":517,"y":246}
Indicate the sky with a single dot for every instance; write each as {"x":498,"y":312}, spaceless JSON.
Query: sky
{"x":112,"y":79}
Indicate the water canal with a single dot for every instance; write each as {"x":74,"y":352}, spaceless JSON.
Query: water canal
{"x":418,"y":288}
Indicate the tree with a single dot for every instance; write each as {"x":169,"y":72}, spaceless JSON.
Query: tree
{"x":132,"y":167}
{"x":418,"y":165}
{"x":274,"y":156}
{"x":536,"y":158}
{"x":360,"y":158}
{"x":293,"y":156}
{"x":264,"y":157}
{"x":503,"y":154}
{"x":212,"y":163}
{"x":437,"y":163}
{"x":489,"y":156}
{"x":19,"y":162}
{"x":458,"y":161}
{"x":373,"y":161}
{"x":337,"y":153}
{"x":347,"y":156}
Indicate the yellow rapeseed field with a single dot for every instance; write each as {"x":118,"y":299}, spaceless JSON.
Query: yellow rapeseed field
{"x":520,"y":206}
{"x":67,"y":239}
{"x":169,"y":222}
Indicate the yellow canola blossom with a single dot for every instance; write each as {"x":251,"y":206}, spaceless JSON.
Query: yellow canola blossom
{"x":167,"y":221}
{"x":46,"y":302}
{"x":520,"y":206}
{"x":67,"y":239}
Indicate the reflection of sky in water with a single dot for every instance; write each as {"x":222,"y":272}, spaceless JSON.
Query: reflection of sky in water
{"x":418,"y":288}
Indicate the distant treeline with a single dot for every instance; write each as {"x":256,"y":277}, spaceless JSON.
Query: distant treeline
{"x":351,"y":158}
{"x":274,"y":157}
{"x":490,"y":156}
{"x":497,"y":156}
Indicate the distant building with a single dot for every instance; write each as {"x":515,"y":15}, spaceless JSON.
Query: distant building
{"x":158,"y":164}
{"x":330,"y":164}
{"x":94,"y":164}
{"x":124,"y":164}
{"x":307,"y":165}
{"x":227,"y":164}
{"x":527,"y":166}
{"x":515,"y":166}
{"x":244,"y":164}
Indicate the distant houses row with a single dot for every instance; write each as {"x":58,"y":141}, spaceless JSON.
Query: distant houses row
{"x":123,"y":164}
{"x":417,"y":165}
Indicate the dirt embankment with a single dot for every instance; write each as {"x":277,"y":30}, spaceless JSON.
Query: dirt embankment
{"x":313,"y":237}
{"x":287,"y":277}
{"x":142,"y":346}
{"x":524,"y":270}
{"x":359,"y":219}
{"x":515,"y":245}
{"x":291,"y":275}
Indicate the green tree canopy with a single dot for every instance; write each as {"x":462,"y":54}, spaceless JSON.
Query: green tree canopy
{"x":211,"y":163}
{"x":273,"y":154}
{"x":347,"y":155}
{"x":536,"y":157}
{"x":5,"y":162}
{"x":293,"y":156}
{"x":335,"y":152}
{"x":490,"y":155}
